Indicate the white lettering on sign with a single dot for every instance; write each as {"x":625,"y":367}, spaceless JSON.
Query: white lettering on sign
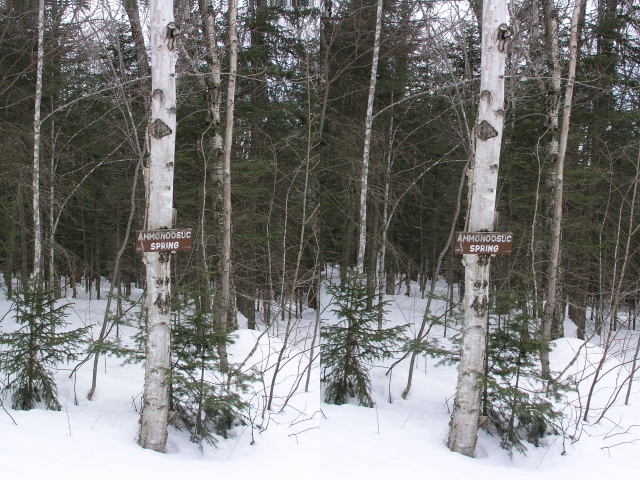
{"x":165,"y":246}
{"x":484,"y":248}
{"x":484,"y":237}
{"x":163,"y":235}
{"x":487,"y":243}
{"x":164,"y":240}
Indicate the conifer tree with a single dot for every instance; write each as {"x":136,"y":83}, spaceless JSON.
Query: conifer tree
{"x":206,"y":395}
{"x":29,"y":354}
{"x":517,"y":403}
{"x":350,"y":346}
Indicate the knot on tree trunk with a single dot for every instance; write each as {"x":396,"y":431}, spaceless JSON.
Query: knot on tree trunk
{"x":486,"y":131}
{"x":160,"y":129}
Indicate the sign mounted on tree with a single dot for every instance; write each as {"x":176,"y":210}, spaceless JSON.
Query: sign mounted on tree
{"x":492,"y":243}
{"x":163,"y":240}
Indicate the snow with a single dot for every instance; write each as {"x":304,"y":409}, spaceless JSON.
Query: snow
{"x":97,"y":439}
{"x":408,"y":437}
{"x":308,"y":439}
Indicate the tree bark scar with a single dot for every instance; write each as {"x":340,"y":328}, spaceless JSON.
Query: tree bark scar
{"x":483,"y":260}
{"x":164,"y":257}
{"x":158,"y":94}
{"x":486,"y":96}
{"x":173,"y":33}
{"x":163,"y":281}
{"x":479,"y":305}
{"x":162,"y":302}
{"x":486,"y":131}
{"x":160,"y":129}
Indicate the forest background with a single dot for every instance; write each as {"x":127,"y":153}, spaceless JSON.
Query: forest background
{"x":299,"y":143}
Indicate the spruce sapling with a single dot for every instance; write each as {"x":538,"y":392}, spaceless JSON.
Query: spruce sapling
{"x":350,"y":346}
{"x":30,"y":353}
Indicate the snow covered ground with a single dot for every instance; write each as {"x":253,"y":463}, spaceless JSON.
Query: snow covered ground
{"x":312,"y":440}
{"x":407,"y":438}
{"x":97,"y":439}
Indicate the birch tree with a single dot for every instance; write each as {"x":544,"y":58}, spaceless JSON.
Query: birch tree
{"x":212,"y":86}
{"x":483,"y":184}
{"x":554,"y":256}
{"x":159,"y":182}
{"x":142,"y":62}
{"x":225,"y":258}
{"x":364,"y":173}
{"x":37,"y":220}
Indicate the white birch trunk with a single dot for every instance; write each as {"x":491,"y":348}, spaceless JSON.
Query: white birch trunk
{"x":552,"y":91}
{"x":553,"y":50}
{"x":484,"y":181}
{"x":142,"y":62}
{"x":552,"y":285}
{"x":212,"y":86}
{"x":382,"y":253}
{"x":364,"y":174}
{"x":37,"y":220}
{"x":225,"y":260}
{"x":162,"y":127}
{"x":52,"y":231}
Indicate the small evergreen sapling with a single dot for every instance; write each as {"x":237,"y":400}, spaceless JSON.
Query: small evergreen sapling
{"x":30,"y":353}
{"x":518,"y":402}
{"x":350,"y":346}
{"x":205,"y":399}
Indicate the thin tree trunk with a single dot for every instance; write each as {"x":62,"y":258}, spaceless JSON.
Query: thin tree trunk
{"x":225,"y":261}
{"x":382,"y":251}
{"x":364,"y":175}
{"x":633,"y":371}
{"x":212,"y":80}
{"x":23,"y":228}
{"x":484,"y":181}
{"x":11,"y":247}
{"x":552,"y":91}
{"x":212,"y":89}
{"x":37,"y":220}
{"x":52,"y":192}
{"x":162,"y":127}
{"x":142,"y":61}
{"x":325,"y":45}
{"x":316,"y":328}
{"x":554,"y":264}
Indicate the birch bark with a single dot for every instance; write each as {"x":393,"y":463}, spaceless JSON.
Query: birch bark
{"x":382,"y":252}
{"x":142,"y":62}
{"x":483,"y":185}
{"x":225,"y":261}
{"x":364,"y":174}
{"x":552,"y":285}
{"x":37,"y":220}
{"x":162,"y":127}
{"x":552,"y":91}
{"x":212,"y":85}
{"x":52,"y":198}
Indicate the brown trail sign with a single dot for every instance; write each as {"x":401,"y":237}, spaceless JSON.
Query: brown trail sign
{"x":492,"y":243}
{"x":163,"y":240}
